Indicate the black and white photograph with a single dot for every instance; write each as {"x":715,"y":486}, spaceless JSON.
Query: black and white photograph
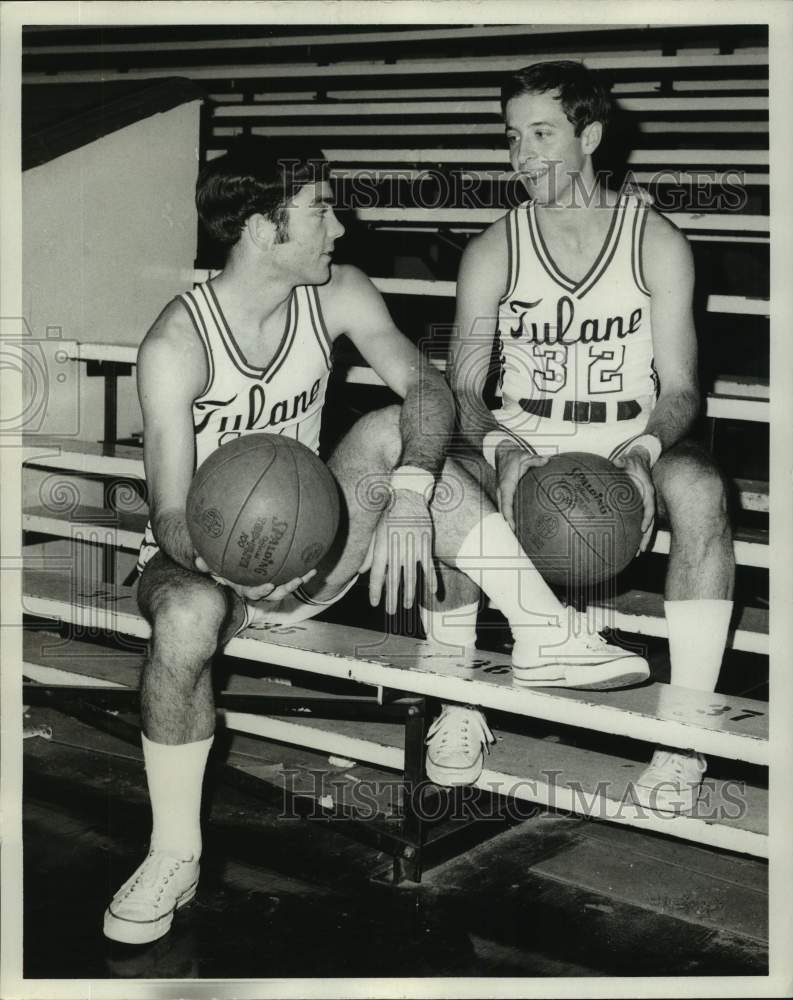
{"x":396,"y":512}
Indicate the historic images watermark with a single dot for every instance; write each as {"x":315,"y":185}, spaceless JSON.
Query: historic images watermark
{"x":428,"y":188}
{"x":328,"y":794}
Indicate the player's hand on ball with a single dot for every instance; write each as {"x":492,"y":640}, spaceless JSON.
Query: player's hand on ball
{"x":265,"y":592}
{"x":637,"y":464}
{"x":402,"y":542}
{"x":512,"y":463}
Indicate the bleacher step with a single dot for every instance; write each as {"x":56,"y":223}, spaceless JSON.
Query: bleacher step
{"x":732,"y":816}
{"x":735,"y":728}
{"x":125,"y":530}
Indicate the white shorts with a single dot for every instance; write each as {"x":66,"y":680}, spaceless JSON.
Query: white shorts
{"x":297,"y":606}
{"x":550,"y":436}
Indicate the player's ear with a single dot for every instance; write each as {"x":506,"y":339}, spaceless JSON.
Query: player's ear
{"x":260,"y":230}
{"x":591,"y":136}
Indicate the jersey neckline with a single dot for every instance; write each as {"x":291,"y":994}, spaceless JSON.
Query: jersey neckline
{"x":234,"y":349}
{"x":601,"y":261}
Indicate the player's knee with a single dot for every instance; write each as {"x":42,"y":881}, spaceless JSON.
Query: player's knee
{"x":381,"y":429}
{"x":692,"y":487}
{"x":189,"y":618}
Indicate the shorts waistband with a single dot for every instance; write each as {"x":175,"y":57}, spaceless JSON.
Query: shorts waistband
{"x":583,"y":412}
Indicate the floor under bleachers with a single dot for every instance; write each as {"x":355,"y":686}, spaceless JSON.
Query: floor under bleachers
{"x":554,"y":895}
{"x":540,"y":893}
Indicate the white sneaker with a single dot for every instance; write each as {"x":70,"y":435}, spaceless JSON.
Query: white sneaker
{"x":672,"y":781}
{"x":456,"y":744}
{"x":587,"y":662}
{"x":142,"y":910}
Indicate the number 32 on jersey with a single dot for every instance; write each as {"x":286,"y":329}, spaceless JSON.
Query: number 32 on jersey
{"x":603,"y":374}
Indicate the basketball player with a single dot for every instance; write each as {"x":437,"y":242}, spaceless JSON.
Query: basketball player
{"x":588,"y":295}
{"x":251,"y":351}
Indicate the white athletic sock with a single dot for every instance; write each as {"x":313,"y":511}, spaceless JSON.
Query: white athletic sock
{"x":491,"y":555}
{"x":456,"y":627}
{"x":697,"y":637}
{"x":175,"y":775}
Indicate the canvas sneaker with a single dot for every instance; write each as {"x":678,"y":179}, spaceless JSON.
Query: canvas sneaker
{"x":142,"y":910}
{"x":672,"y":781}
{"x":586,"y":662}
{"x":456,"y":745}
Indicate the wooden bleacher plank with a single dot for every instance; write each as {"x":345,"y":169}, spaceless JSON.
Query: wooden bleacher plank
{"x":649,"y":60}
{"x":658,"y":105}
{"x":738,"y":304}
{"x":88,"y":524}
{"x":727,"y":385}
{"x":558,"y":776}
{"x":736,"y":408}
{"x":321,"y":130}
{"x":82,"y":457}
{"x":747,"y":386}
{"x":123,"y":353}
{"x":728,"y":727}
{"x":499,"y":156}
{"x":642,"y":612}
{"x":687,"y":221}
{"x":426,"y":33}
{"x":720,"y":126}
{"x":483,"y":92}
{"x":125,"y":531}
{"x":749,"y":551}
{"x":731,"y":304}
{"x":753,"y":494}
{"x":736,"y":84}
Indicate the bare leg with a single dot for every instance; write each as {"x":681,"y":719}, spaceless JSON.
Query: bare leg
{"x":698,"y":606}
{"x":361,"y":464}
{"x":701,"y":557}
{"x":701,"y":571}
{"x":187,"y":613}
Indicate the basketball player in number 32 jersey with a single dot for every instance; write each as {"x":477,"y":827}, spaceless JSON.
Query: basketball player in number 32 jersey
{"x":588,"y":296}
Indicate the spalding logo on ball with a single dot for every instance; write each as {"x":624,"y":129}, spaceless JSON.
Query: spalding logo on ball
{"x":578,"y":519}
{"x":262,"y":509}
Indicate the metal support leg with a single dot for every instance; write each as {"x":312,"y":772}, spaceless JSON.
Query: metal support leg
{"x":408,"y":864}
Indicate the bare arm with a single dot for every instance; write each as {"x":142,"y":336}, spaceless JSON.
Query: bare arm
{"x":480,"y":284}
{"x":669,"y":270}
{"x":357,"y":309}
{"x":171,"y":346}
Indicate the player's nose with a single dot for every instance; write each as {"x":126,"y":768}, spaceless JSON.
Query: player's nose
{"x":337,"y":229}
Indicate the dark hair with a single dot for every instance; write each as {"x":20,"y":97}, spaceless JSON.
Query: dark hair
{"x":584,"y":98}
{"x":255,"y":175}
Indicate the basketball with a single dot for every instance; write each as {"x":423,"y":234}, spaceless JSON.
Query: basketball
{"x":262,"y":509}
{"x":578,"y":518}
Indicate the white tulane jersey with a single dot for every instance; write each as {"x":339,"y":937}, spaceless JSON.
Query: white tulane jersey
{"x":575,"y":351}
{"x":284,"y":397}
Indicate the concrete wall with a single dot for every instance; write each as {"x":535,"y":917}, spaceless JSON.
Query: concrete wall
{"x":109,"y":236}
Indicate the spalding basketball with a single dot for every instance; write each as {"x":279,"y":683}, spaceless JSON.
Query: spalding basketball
{"x":578,"y":518}
{"x":262,"y":509}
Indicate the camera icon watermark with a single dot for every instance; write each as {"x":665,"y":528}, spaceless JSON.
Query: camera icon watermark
{"x":49,"y":401}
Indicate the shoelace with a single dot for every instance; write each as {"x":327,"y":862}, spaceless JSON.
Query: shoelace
{"x":152,"y":877}
{"x":451,"y":731}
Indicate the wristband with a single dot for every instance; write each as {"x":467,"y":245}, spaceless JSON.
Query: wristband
{"x":415,"y":479}
{"x":651,"y":445}
{"x":490,"y":443}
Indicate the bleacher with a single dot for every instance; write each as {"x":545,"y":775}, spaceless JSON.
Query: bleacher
{"x":409,"y":119}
